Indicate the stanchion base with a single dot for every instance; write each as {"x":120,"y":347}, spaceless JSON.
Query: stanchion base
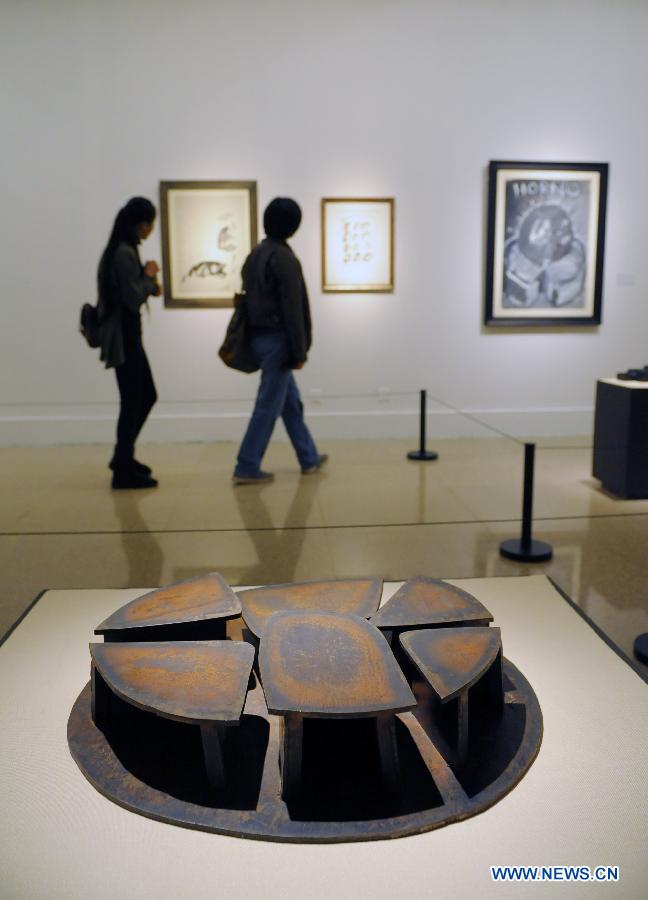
{"x":536,"y":551}
{"x":641,"y":648}
{"x":422,"y":455}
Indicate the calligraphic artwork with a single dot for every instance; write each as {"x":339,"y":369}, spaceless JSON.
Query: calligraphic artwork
{"x":208,"y":229}
{"x":546,"y":230}
{"x":357,"y":245}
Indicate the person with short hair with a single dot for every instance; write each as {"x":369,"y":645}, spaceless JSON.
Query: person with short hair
{"x":124,"y":286}
{"x":279,"y":324}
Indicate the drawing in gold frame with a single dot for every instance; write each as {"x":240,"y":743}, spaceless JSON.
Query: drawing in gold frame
{"x":357,"y":244}
{"x":208,"y":229}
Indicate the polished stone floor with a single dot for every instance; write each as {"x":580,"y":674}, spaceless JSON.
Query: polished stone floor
{"x":370,"y":512}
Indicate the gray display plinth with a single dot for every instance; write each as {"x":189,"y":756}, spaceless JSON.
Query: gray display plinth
{"x":620,"y":457}
{"x":582,"y":803}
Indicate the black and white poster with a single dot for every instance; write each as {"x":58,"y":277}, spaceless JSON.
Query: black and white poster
{"x":546,"y":225}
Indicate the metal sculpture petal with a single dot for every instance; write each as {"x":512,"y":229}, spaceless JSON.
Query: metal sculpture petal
{"x":452,"y":659}
{"x":359,"y":597}
{"x":430,"y":601}
{"x":184,"y":680}
{"x":328,"y":665}
{"x":200,"y":599}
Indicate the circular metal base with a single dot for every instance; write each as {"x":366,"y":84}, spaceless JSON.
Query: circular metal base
{"x":641,"y":648}
{"x":422,"y":455}
{"x":536,"y":551}
{"x":143,"y":772}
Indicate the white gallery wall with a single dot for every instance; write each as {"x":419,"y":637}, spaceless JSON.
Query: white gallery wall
{"x":100,"y":101}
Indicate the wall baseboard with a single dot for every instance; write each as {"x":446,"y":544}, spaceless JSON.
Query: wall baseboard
{"x":172,"y":422}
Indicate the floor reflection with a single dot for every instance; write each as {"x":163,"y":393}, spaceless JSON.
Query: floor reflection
{"x":277,"y":548}
{"x":141,"y":547}
{"x":370,"y":513}
{"x":599,"y":563}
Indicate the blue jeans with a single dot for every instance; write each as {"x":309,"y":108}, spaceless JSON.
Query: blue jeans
{"x":278,"y":395}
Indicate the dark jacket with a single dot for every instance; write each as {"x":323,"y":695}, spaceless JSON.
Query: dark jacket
{"x":276,"y":296}
{"x":120,"y":312}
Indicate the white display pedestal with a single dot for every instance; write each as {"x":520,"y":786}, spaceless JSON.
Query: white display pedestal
{"x":582,"y":803}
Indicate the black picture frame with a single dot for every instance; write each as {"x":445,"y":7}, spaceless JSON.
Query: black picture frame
{"x":545,"y":243}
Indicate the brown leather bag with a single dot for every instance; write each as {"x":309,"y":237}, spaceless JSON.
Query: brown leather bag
{"x":235,"y":350}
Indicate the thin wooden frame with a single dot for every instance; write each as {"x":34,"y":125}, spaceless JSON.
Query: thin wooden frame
{"x":545,"y":243}
{"x":355,"y":279}
{"x":208,"y":229}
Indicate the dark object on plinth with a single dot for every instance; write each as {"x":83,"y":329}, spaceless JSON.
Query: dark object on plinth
{"x":181,"y":731}
{"x":524,"y":548}
{"x":641,"y":648}
{"x":422,"y":454}
{"x":192,"y":610}
{"x":620,"y":457}
{"x":634,"y":375}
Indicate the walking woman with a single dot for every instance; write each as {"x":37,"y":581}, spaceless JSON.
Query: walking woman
{"x":278,"y":314}
{"x":124,"y":285}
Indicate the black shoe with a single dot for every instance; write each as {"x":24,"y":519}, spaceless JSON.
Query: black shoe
{"x":132,"y":464}
{"x":131,"y":480}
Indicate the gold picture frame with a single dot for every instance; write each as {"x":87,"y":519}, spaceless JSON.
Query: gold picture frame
{"x":357,"y":244}
{"x":208,"y":229}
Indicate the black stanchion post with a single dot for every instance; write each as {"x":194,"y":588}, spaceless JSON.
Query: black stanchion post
{"x":524,"y":548}
{"x":527,"y":495}
{"x":422,"y":454}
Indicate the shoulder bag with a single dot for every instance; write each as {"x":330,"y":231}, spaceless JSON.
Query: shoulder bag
{"x":235,"y":350}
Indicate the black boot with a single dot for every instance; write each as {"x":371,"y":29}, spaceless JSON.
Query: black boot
{"x":137,"y":466}
{"x":131,"y":477}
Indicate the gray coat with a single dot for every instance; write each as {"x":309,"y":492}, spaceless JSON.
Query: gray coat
{"x":129,"y":289}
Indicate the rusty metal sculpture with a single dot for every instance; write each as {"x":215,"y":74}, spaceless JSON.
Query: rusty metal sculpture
{"x":335,"y":735}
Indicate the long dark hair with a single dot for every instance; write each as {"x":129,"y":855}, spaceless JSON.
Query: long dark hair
{"x":124,"y":230}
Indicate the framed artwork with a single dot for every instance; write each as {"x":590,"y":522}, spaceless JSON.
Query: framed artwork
{"x":208,"y":229}
{"x":545,"y":243}
{"x":357,"y":244}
